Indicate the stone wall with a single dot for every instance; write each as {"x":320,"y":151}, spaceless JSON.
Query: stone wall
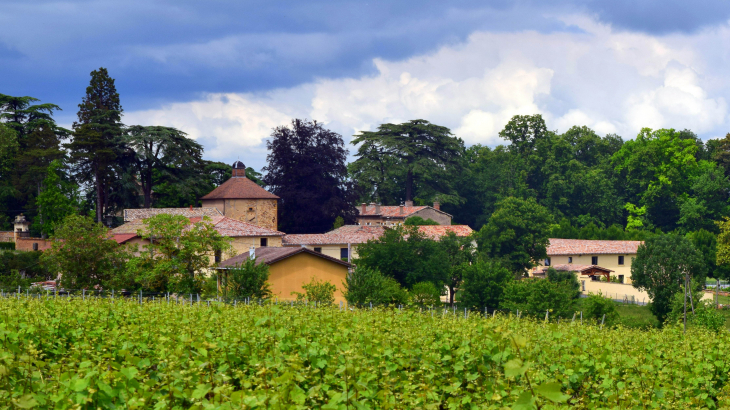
{"x":7,"y":236}
{"x":26,"y":244}
{"x":259,"y":212}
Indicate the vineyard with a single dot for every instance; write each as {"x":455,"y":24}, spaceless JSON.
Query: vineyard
{"x":64,"y":353}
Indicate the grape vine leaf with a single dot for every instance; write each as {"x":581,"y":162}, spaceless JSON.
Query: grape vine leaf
{"x":552,"y":392}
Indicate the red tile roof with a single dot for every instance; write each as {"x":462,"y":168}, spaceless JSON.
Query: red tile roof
{"x":239,"y":188}
{"x":591,"y":247}
{"x":355,"y":234}
{"x":390,"y":211}
{"x":270,"y":256}
{"x":225,"y":226}
{"x":132,"y":214}
{"x":437,"y":231}
{"x":123,"y":237}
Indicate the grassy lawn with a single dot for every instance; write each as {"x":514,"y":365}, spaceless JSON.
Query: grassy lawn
{"x":636,"y":316}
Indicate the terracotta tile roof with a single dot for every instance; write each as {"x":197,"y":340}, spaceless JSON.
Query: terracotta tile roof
{"x":270,"y":256}
{"x":355,"y":234}
{"x":591,"y":247}
{"x":437,"y":231}
{"x":394,"y":211}
{"x":123,"y":237}
{"x":132,"y":214}
{"x":239,"y":188}
{"x":225,"y":226}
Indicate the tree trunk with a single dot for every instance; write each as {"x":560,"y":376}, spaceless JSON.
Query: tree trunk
{"x":98,"y":196}
{"x":409,"y":185}
{"x":451,"y":295}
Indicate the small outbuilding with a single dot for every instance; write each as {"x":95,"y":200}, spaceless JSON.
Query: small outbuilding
{"x":290,"y":268}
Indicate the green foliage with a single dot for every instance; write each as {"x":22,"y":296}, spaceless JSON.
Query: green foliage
{"x":704,"y":315}
{"x":517,"y":233}
{"x":10,"y":246}
{"x":21,"y":269}
{"x":326,"y":358}
{"x":659,"y":269}
{"x":247,"y":280}
{"x":178,"y":255}
{"x":339,"y":222}
{"x":568,"y":278}
{"x":418,"y":221}
{"x":460,"y":255}
{"x":405,"y":161}
{"x":425,"y":293}
{"x":595,"y":306}
{"x":57,"y":200}
{"x":83,"y":254}
{"x":706,"y":243}
{"x":366,"y":285}
{"x":483,"y":284}
{"x":532,"y":296}
{"x":407,"y":255}
{"x":317,"y":291}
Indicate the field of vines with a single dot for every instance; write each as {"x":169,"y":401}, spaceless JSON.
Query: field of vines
{"x":70,"y":353}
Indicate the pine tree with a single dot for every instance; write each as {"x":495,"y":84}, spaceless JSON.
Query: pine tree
{"x":96,"y":143}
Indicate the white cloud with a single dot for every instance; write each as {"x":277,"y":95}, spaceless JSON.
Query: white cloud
{"x":612,"y":81}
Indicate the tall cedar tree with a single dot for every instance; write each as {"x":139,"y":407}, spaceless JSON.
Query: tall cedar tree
{"x":166,"y":150}
{"x":416,"y":151}
{"x":96,"y":143}
{"x":307,"y":170}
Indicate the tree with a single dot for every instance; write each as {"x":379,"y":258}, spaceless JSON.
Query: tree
{"x":96,"y":142}
{"x":247,"y":280}
{"x":307,"y":170}
{"x":367,"y":285}
{"x":524,"y":132}
{"x":569,"y":278}
{"x":83,"y":253}
{"x":517,"y":233}
{"x":534,"y":297}
{"x":165,"y":150}
{"x":660,"y":267}
{"x":407,"y":255}
{"x":8,"y":149}
{"x":425,"y":293}
{"x":706,"y":243}
{"x":418,"y":221}
{"x":411,"y":154}
{"x":599,"y":308}
{"x":460,"y":254}
{"x":178,"y":255}
{"x":56,"y":201}
{"x":483,"y":284}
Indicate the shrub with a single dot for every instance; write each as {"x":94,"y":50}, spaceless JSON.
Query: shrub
{"x":367,"y":285}
{"x":705,"y":314}
{"x":9,"y":246}
{"x":534,"y":296}
{"x":597,"y":305}
{"x":248,"y":280}
{"x":425,"y":293}
{"x":483,"y":284}
{"x":568,"y":278}
{"x":317,"y":291}
{"x":417,"y":221}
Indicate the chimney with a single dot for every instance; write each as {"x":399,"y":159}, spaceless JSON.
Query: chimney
{"x":252,"y":253}
{"x":409,"y":203}
{"x":191,"y":207}
{"x":239,"y":170}
{"x":400,"y":210}
{"x":363,"y":206}
{"x":437,"y":206}
{"x":377,"y":208}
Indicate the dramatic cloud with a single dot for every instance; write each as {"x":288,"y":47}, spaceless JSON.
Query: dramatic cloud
{"x":611,"y":80}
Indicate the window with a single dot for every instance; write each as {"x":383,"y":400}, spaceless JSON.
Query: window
{"x":594,"y":260}
{"x":547,"y":262}
{"x":570,"y":259}
{"x":583,"y":285}
{"x":35,"y":246}
{"x":344,"y":254}
{"x":319,"y":250}
{"x":250,"y":209}
{"x":621,"y":278}
{"x":217,"y":256}
{"x":264,"y":241}
{"x":621,"y":261}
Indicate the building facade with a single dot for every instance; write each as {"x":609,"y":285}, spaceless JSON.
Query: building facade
{"x":379,"y":215}
{"x":241,"y":199}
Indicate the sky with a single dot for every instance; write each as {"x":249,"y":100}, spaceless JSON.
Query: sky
{"x":228,"y":71}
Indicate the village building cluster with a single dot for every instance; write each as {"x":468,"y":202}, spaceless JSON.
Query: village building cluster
{"x":245,"y":212}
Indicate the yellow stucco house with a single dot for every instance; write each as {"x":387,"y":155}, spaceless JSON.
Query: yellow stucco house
{"x":290,"y":268}
{"x":241,"y":199}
